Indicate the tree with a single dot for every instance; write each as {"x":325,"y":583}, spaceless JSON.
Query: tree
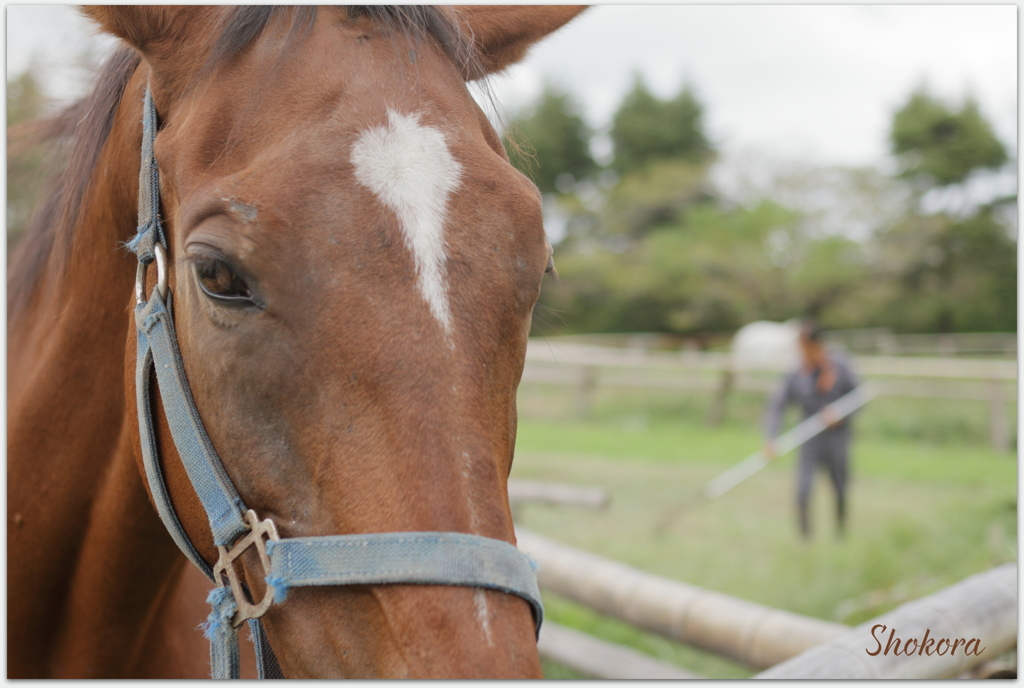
{"x":661,"y":161}
{"x":552,"y":142}
{"x":938,"y":146}
{"x":654,"y":197}
{"x":948,"y":274}
{"x":646,"y":129}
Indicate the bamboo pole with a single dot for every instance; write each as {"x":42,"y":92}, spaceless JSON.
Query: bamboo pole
{"x":600,"y":659}
{"x":749,"y":633}
{"x":983,"y":606}
{"x":557,"y":493}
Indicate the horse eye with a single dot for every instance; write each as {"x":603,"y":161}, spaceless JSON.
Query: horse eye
{"x":220,"y":282}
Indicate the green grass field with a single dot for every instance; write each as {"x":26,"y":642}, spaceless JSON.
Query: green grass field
{"x":928,"y":506}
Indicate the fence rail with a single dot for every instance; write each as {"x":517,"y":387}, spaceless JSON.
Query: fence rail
{"x":868,"y":341}
{"x":557,"y":353}
{"x":587,"y":366}
{"x":883,"y":341}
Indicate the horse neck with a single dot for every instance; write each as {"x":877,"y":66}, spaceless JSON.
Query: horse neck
{"x":81,"y":531}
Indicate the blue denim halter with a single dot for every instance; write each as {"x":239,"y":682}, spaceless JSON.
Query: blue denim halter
{"x":427,"y":558}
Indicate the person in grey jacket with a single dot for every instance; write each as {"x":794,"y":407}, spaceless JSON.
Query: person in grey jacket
{"x":822,"y":378}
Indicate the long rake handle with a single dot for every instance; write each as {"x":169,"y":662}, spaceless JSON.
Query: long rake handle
{"x":788,"y":441}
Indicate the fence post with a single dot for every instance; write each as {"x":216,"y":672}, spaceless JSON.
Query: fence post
{"x":585,"y":390}
{"x":999,"y":431}
{"x":716,"y":414}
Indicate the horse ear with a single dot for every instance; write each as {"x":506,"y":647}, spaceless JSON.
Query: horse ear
{"x":152,"y":29}
{"x":138,"y":25}
{"x":503,"y":33}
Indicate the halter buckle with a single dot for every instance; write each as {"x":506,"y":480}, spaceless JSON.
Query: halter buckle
{"x":224,"y":571}
{"x":161,"y":275}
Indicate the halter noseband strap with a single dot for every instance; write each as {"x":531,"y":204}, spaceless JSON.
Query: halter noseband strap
{"x":427,"y":558}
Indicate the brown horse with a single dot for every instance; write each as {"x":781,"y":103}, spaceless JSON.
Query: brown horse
{"x":354,"y":265}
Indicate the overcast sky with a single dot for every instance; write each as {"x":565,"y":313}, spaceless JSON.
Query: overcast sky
{"x":818,"y":82}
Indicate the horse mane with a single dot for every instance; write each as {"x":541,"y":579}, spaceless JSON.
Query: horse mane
{"x":80,"y":131}
{"x":77,"y":134}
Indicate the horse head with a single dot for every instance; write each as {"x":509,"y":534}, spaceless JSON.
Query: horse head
{"x":354,"y":264}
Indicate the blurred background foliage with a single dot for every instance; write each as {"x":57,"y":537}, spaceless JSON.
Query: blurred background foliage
{"x":646,"y":241}
{"x":556,"y":134}
{"x":26,"y":164}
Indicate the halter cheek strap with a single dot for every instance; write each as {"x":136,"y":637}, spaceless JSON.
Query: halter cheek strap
{"x":427,"y":558}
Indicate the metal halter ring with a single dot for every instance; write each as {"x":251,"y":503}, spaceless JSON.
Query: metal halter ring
{"x":224,"y":569}
{"x":161,"y":275}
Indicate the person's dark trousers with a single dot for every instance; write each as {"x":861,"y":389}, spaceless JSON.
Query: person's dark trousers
{"x":829,"y":450}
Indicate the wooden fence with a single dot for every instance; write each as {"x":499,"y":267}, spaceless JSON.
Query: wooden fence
{"x":586,"y":366}
{"x":883,"y":341}
{"x":868,"y":341}
{"x":983,"y":606}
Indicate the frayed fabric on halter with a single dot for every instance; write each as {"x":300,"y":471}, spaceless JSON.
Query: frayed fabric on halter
{"x":423,"y":558}
{"x":279,"y":586}
{"x":222,"y":636}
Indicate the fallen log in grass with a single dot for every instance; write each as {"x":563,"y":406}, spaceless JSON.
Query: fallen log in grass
{"x":747,"y":632}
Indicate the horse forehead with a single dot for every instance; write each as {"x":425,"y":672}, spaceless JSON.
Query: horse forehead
{"x":411,"y":170}
{"x":407,"y":163}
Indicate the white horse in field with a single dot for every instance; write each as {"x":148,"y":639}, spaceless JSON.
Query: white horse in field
{"x":765,"y":345}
